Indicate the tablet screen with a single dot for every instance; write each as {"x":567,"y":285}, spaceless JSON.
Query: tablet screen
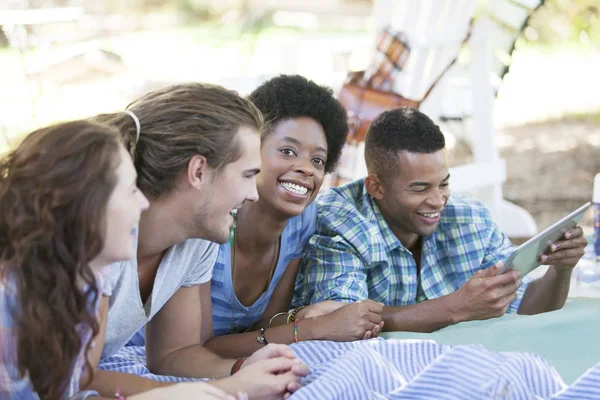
{"x":525,"y":258}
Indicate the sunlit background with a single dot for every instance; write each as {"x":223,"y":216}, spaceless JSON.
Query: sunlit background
{"x":66,"y":59}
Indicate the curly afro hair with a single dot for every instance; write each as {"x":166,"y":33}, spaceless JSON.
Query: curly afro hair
{"x":401,"y":129}
{"x":293,"y":96}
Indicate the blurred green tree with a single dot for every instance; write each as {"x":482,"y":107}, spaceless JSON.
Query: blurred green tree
{"x":566,"y":20}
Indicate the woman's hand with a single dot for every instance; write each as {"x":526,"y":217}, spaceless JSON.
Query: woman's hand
{"x":270,"y":351}
{"x":273,"y":378}
{"x":359,"y":320}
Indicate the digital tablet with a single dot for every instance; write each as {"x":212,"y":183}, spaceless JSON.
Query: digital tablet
{"x":525,"y":258}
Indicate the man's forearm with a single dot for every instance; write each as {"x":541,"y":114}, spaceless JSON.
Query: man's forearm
{"x":427,"y":316}
{"x":192,"y":362}
{"x":548,"y":293}
{"x":107,"y":382}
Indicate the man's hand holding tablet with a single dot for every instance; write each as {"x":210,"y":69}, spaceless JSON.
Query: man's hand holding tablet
{"x":560,"y":245}
{"x":486,"y":294}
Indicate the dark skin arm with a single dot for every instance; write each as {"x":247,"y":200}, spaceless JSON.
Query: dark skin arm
{"x":550,"y":292}
{"x":244,"y":344}
{"x":486,"y":295}
{"x":354,"y":321}
{"x":483,"y":296}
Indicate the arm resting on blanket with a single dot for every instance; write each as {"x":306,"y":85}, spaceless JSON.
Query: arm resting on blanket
{"x":485,"y":295}
{"x":427,"y":316}
{"x":342,"y":322}
{"x":548,"y":293}
{"x":175,"y":337}
{"x":106,"y":382}
{"x":244,"y":344}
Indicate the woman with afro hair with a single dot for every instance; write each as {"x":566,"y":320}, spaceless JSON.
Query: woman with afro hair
{"x":254,"y":275}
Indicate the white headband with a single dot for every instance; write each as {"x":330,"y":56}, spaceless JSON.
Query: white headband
{"x":138,"y":127}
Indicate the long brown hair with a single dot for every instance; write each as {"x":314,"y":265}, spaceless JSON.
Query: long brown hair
{"x":54,"y":188}
{"x":181,"y":121}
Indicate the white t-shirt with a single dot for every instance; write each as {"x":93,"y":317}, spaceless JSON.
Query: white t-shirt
{"x":187,"y":264}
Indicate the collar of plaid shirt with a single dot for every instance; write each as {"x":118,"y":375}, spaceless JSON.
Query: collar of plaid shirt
{"x":353,"y":241}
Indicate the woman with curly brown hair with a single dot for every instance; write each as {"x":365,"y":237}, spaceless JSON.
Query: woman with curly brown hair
{"x":69,"y":206}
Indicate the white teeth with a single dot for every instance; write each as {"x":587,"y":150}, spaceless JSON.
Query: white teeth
{"x":434,"y":215}
{"x":292,"y":187}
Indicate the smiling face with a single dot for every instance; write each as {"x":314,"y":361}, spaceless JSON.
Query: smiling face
{"x":293,"y":165}
{"x":228,"y":189}
{"x":412,"y":201}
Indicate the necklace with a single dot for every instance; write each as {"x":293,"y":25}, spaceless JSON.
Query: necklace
{"x":234,"y":327}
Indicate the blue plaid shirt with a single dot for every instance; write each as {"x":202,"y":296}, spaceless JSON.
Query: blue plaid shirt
{"x":354,"y":254}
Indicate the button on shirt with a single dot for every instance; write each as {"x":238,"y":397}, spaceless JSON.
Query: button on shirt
{"x":354,"y":254}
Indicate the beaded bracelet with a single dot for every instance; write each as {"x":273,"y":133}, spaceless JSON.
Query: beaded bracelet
{"x":296,"y":322}
{"x":292,"y":314}
{"x":237,"y":365}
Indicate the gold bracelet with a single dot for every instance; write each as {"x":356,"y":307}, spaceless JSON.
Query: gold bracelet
{"x":275,"y":316}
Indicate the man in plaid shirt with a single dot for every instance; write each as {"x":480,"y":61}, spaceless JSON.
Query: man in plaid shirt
{"x":398,"y":237}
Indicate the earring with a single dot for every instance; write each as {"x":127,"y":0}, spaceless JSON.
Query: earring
{"x":234,"y":216}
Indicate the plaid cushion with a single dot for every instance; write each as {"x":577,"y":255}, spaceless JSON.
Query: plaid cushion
{"x":390,"y":56}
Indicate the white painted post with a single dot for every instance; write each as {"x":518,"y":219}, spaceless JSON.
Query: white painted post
{"x":484,"y":135}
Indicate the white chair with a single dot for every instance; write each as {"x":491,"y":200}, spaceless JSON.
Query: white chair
{"x":436,"y":29}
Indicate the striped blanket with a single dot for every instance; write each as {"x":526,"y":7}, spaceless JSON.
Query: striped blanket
{"x":411,"y":369}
